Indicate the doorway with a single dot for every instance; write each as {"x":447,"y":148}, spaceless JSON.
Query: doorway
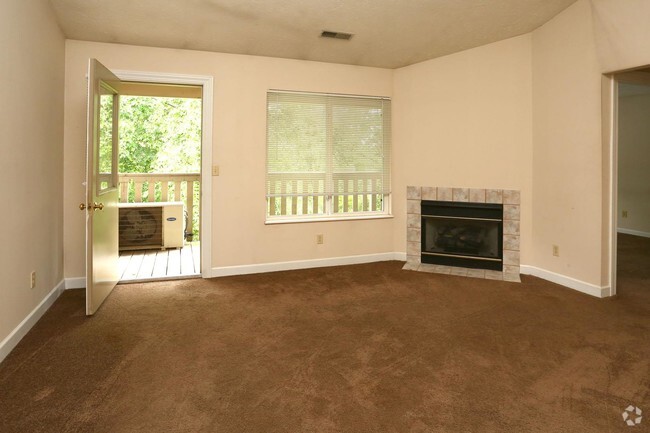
{"x":630,"y":182}
{"x":159,"y":166}
{"x":180,"y":199}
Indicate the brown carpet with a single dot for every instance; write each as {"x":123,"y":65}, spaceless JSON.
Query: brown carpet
{"x":364,"y":348}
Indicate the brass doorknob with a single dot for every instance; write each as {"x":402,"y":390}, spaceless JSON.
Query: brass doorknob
{"x":92,"y":206}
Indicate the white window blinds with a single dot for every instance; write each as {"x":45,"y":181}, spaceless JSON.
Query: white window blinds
{"x":327,"y":154}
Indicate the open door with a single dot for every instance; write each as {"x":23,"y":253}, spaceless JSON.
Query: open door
{"x":101,"y":185}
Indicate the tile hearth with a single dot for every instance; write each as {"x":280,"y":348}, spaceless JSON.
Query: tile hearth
{"x":511,"y":200}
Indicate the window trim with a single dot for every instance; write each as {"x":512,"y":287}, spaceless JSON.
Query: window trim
{"x":299,"y":219}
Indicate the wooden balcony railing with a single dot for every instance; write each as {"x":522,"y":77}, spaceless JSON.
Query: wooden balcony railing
{"x":303,"y":193}
{"x":161,"y":187}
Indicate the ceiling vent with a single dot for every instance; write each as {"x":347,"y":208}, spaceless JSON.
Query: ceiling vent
{"x":336,"y":35}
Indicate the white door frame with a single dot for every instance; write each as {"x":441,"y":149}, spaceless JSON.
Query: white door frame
{"x":610,"y":102}
{"x":610,"y":125}
{"x":207,"y":83}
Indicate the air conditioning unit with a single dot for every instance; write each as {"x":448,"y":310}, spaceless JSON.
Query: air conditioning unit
{"x":151,"y":225}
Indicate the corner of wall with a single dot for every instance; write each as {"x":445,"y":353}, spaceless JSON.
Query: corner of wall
{"x":567,"y":147}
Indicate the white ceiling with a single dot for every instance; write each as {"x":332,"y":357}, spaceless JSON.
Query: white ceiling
{"x":387,"y":33}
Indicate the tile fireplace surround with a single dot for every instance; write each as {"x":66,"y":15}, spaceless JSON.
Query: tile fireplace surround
{"x":511,"y":201}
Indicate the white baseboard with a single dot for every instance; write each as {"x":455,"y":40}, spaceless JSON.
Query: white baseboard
{"x":75,"y":283}
{"x":8,"y":344}
{"x":304,"y":264}
{"x":633,"y":232}
{"x":572,"y":283}
{"x":563,"y":280}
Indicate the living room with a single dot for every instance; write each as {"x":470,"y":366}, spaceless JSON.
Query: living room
{"x":530,"y":113}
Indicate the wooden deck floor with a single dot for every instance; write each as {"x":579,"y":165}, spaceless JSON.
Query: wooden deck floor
{"x":158,"y":264}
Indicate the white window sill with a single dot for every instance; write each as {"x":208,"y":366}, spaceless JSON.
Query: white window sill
{"x":326,"y":218}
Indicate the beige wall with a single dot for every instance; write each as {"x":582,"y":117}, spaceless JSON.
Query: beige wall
{"x":622,"y":33}
{"x":239,"y":235}
{"x":571,"y":158}
{"x":465,"y":120}
{"x":529,"y":106}
{"x":567,"y":188}
{"x":31,"y":145}
{"x":634,"y":163}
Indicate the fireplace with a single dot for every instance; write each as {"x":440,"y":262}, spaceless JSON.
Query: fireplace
{"x":471,"y":232}
{"x":468,"y":235}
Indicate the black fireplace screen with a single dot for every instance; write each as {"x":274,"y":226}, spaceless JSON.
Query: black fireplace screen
{"x":465,"y":237}
{"x":462,"y":234}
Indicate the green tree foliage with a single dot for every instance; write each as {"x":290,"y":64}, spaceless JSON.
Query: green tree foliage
{"x":106,"y":134}
{"x":156,"y":135}
{"x":159,"y":135}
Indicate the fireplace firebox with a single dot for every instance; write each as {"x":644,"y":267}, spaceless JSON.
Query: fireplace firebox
{"x":468,"y":235}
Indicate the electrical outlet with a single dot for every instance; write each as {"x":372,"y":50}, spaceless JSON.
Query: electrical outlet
{"x":32,"y":280}
{"x":215,"y":170}
{"x":319,"y":239}
{"x":624,"y":214}
{"x":556,"y":251}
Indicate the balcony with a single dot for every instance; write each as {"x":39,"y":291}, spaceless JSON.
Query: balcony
{"x":297,"y":194}
{"x":163,"y":187}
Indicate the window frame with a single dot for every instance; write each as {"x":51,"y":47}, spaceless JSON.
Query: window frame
{"x":328,"y":197}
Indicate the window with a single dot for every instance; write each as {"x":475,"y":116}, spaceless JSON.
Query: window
{"x":328,"y":156}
